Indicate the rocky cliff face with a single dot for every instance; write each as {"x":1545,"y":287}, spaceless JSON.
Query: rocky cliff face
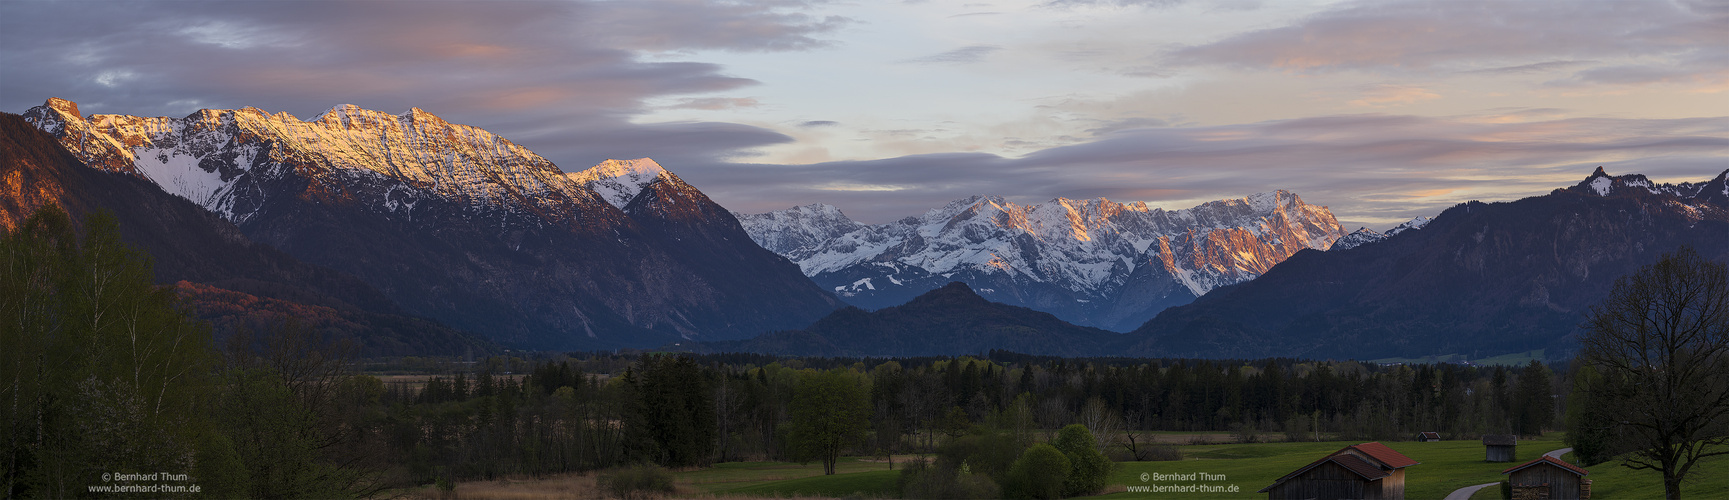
{"x":1481,"y":279}
{"x":1092,"y":262}
{"x":461,"y":225}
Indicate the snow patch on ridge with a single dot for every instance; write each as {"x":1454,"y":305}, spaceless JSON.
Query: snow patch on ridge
{"x":619,"y":181}
{"x":179,"y":174}
{"x":1364,"y":236}
{"x":1602,"y":185}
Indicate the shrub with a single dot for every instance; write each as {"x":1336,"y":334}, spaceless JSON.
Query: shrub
{"x":1038,"y":473}
{"x":1245,"y":433}
{"x":641,"y":481}
{"x":1088,"y":468}
{"x":446,"y":487}
{"x":985,"y":452}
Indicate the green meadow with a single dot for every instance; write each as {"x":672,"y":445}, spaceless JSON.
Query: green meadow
{"x":1444,"y":466}
{"x":1709,"y":479}
{"x":1511,"y":359}
{"x":757,"y":479}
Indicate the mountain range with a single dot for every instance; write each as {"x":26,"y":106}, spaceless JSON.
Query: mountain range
{"x":419,"y":236}
{"x":1479,"y":279}
{"x":1092,"y":262}
{"x":219,"y":271}
{"x":453,"y":223}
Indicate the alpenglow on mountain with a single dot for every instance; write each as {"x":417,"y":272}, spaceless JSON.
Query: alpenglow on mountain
{"x":1480,"y":280}
{"x":1091,"y":262}
{"x":460,"y":225}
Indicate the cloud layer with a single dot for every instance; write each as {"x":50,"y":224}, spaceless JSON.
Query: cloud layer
{"x":1372,"y":169}
{"x":1607,"y":41}
{"x":556,"y":76}
{"x":1382,"y":109}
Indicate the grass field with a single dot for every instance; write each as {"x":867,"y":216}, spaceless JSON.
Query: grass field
{"x":872,"y":484}
{"x":753,"y":477}
{"x":1444,"y":466}
{"x":1513,"y":359}
{"x":1709,"y":479}
{"x":1438,"y":358}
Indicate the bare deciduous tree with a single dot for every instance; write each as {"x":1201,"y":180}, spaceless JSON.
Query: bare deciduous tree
{"x":1103,"y":421}
{"x":1661,"y":340}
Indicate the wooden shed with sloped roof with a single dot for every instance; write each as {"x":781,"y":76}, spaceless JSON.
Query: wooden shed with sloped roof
{"x":1500,"y":447}
{"x":1549,"y":478}
{"x":1368,"y":471}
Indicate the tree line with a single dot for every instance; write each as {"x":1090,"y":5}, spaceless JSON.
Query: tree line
{"x":681,"y":410}
{"x":105,"y":372}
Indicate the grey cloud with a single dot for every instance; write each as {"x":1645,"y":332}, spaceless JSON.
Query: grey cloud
{"x":1469,"y":36}
{"x":668,"y":25}
{"x":819,"y":123}
{"x":537,"y":72}
{"x":714,"y":103}
{"x":677,"y":145}
{"x":1702,"y":67}
{"x":1542,"y":67}
{"x":1137,"y":3}
{"x":1365,"y":167}
{"x":964,"y":55}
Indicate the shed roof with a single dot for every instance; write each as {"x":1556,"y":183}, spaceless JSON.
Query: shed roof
{"x":1351,"y":463}
{"x":1552,"y":461}
{"x":1500,"y":440}
{"x":1385,"y":455}
{"x":1432,"y":435}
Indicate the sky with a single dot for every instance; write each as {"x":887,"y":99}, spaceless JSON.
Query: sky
{"x":1382,"y":110}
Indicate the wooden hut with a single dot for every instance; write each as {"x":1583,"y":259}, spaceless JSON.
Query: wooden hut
{"x":1428,"y":437}
{"x":1499,"y":447}
{"x":1368,"y":471}
{"x":1549,"y":478}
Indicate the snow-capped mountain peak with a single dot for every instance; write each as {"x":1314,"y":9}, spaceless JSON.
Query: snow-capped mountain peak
{"x":1363,"y":236}
{"x":1415,"y":223}
{"x":797,"y":230}
{"x":1049,"y":256}
{"x":1601,"y":183}
{"x":222,"y":158}
{"x":618,"y":181}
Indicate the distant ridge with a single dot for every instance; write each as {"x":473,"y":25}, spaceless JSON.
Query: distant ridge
{"x":1481,"y":279}
{"x":950,"y":320}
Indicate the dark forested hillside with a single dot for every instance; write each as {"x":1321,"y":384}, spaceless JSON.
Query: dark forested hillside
{"x":1482,"y":279}
{"x":454,"y":223}
{"x":188,"y":243}
{"x":950,"y":320}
